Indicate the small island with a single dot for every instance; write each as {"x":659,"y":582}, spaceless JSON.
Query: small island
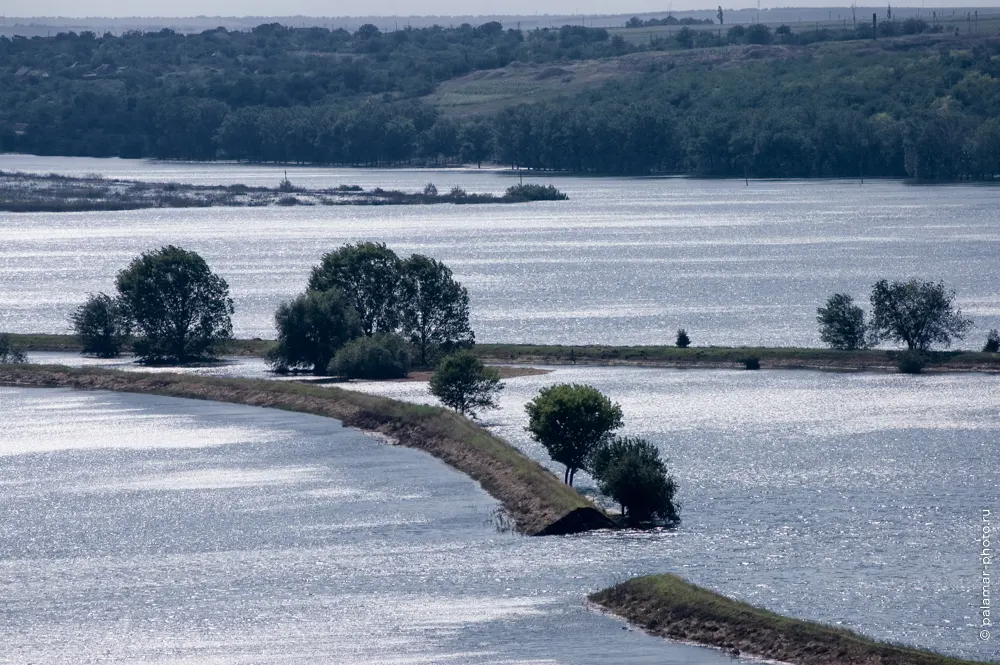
{"x":32,"y":192}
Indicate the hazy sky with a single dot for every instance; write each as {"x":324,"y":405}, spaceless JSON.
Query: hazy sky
{"x":79,"y":8}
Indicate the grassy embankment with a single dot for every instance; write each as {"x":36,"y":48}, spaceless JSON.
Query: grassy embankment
{"x":642,"y":356}
{"x":669,"y":606}
{"x":537,"y":501}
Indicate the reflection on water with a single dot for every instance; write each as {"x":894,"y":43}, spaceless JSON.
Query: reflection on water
{"x":624,"y":261}
{"x":847,"y":498}
{"x":148,"y":529}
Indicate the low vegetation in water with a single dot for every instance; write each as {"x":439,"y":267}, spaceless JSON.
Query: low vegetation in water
{"x":669,"y":606}
{"x":27,"y":192}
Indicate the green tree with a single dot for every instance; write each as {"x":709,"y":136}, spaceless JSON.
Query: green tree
{"x":368,"y":273}
{"x":683,"y":341}
{"x":571,"y":421}
{"x":11,"y":353}
{"x":435,"y":308}
{"x":842,"y":323}
{"x":630,"y":471}
{"x":311,"y":329}
{"x":463,"y":383}
{"x":101,"y":326}
{"x":383,"y":356}
{"x":177,"y":306}
{"x":916,"y":313}
{"x":992,"y":344}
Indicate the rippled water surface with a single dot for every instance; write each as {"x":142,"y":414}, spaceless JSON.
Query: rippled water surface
{"x":147,"y":529}
{"x":624,"y":261}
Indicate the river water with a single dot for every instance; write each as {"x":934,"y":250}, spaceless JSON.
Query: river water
{"x":624,"y":261}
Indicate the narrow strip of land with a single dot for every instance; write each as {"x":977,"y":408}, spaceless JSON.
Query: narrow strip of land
{"x":537,"y":501}
{"x":669,"y":606}
{"x":876,"y":360}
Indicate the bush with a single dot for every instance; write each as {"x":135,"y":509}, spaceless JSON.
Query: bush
{"x":683,"y":341}
{"x":430,"y":190}
{"x":912,"y":362}
{"x":992,"y":342}
{"x":463,"y":383}
{"x":10,"y":353}
{"x":842,"y":323}
{"x":101,"y":326}
{"x":571,"y":421}
{"x":378,"y":357}
{"x":753,"y":362}
{"x":311,"y":329}
{"x":534,"y":193}
{"x":177,"y":305}
{"x":630,"y":471}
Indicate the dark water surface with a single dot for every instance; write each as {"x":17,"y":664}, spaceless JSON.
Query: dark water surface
{"x":625,"y":261}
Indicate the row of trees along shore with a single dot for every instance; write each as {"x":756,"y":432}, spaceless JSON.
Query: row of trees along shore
{"x":364,"y":313}
{"x":927,"y":110}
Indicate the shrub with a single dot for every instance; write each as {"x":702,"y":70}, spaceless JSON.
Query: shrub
{"x":992,"y":342}
{"x":311,"y":329}
{"x":630,"y":471}
{"x":534,"y":193}
{"x":842,"y":323}
{"x":683,"y":341}
{"x":10,"y":353}
{"x":463,"y":383}
{"x":177,"y":305}
{"x":430,"y":190}
{"x":379,"y":357}
{"x":101,"y":326}
{"x":571,"y":421}
{"x":912,"y":362}
{"x":753,"y":362}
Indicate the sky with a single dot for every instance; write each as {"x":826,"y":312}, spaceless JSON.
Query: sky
{"x":176,"y":8}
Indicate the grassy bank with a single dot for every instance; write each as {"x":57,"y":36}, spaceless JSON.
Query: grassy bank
{"x":538,"y":502}
{"x":643,"y":356}
{"x":668,"y":606}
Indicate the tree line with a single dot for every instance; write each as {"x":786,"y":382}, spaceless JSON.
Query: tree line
{"x":319,"y":96}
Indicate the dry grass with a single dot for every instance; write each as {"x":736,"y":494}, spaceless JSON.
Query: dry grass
{"x":538,"y":501}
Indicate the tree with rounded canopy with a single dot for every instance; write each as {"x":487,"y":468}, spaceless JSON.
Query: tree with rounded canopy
{"x":435,"y":311}
{"x":916,"y":313}
{"x":463,"y":383}
{"x":311,"y":329}
{"x":630,"y":471}
{"x":571,"y":421}
{"x":101,"y":326}
{"x":842,"y":323}
{"x":368,"y":273}
{"x":177,"y":306}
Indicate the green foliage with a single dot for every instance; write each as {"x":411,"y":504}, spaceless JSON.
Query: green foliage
{"x":916,"y":313}
{"x":369,"y":275}
{"x":629,"y":471}
{"x":992,"y":344}
{"x":463,"y":383}
{"x":430,"y":190}
{"x":11,"y":353}
{"x":177,"y":306}
{"x":842,"y":323}
{"x":311,"y":329}
{"x":683,"y":341}
{"x":435,"y":308}
{"x":531,"y":192}
{"x":571,"y":421}
{"x":911,"y":362}
{"x":101,"y":326}
{"x":383,"y":356}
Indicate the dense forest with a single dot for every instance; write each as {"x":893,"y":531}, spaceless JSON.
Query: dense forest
{"x":760,"y":103}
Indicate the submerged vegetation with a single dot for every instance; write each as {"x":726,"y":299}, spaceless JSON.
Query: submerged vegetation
{"x":671,"y":607}
{"x":26,"y":192}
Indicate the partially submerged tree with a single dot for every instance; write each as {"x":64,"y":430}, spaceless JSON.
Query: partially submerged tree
{"x":368,"y":273}
{"x":10,"y":353}
{"x":101,"y":326}
{"x":435,"y":308}
{"x":630,"y":471}
{"x":571,"y":421}
{"x":918,"y":314}
{"x":383,"y":356}
{"x":842,"y":323}
{"x":463,"y":383}
{"x":178,"y":307}
{"x":311,"y":329}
